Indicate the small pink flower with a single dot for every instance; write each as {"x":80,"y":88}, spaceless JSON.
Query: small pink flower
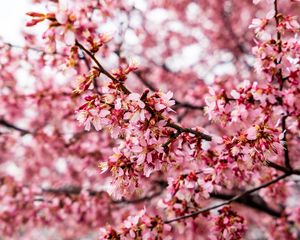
{"x":251,"y":133}
{"x":259,"y":24}
{"x":93,"y":116}
{"x":165,"y":102}
{"x":136,"y":98}
{"x":235,"y":94}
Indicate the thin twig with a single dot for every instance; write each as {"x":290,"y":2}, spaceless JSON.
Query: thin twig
{"x":189,"y":130}
{"x":235,"y":198}
{"x":11,"y":126}
{"x":285,"y":145}
{"x":38,"y":50}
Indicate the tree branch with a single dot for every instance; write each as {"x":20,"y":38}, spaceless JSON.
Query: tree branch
{"x":34,"y":49}
{"x":189,"y":130}
{"x":233,"y":199}
{"x":254,"y":202}
{"x":277,"y":167}
{"x":285,"y":144}
{"x":77,"y":190}
{"x":281,"y":83}
{"x":11,"y":126}
{"x":148,"y":108}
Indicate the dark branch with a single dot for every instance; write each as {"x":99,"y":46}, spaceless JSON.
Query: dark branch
{"x":285,"y":144}
{"x":11,"y":126}
{"x":189,"y":130}
{"x":77,"y":190}
{"x":277,"y":167}
{"x":254,"y":202}
{"x":248,"y":201}
{"x":281,"y":80}
{"x":233,"y":199}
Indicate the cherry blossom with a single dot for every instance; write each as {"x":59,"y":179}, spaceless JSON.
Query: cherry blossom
{"x":152,"y":120}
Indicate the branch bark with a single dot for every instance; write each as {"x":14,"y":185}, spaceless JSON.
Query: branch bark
{"x":233,"y":199}
{"x":11,"y":126}
{"x":254,"y":202}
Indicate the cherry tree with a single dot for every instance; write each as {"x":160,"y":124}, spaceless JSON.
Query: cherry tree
{"x":152,"y":120}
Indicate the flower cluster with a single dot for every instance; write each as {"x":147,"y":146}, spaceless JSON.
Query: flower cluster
{"x":255,"y":145}
{"x":141,"y":226}
{"x":84,"y":82}
{"x":128,"y":116}
{"x":277,"y":57}
{"x":230,"y":225}
{"x":281,"y":229}
{"x":187,"y":191}
{"x":217,"y":105}
{"x":97,"y":42}
{"x":68,"y":22}
{"x":121,"y":73}
{"x":248,"y":100}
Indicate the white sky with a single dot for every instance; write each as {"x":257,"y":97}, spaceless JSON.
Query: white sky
{"x":12,"y":19}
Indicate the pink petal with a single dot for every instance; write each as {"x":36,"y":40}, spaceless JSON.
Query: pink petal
{"x":69,"y":37}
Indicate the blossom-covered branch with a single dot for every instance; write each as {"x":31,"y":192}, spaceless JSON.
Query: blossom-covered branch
{"x":235,"y":198}
{"x":92,"y":140}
